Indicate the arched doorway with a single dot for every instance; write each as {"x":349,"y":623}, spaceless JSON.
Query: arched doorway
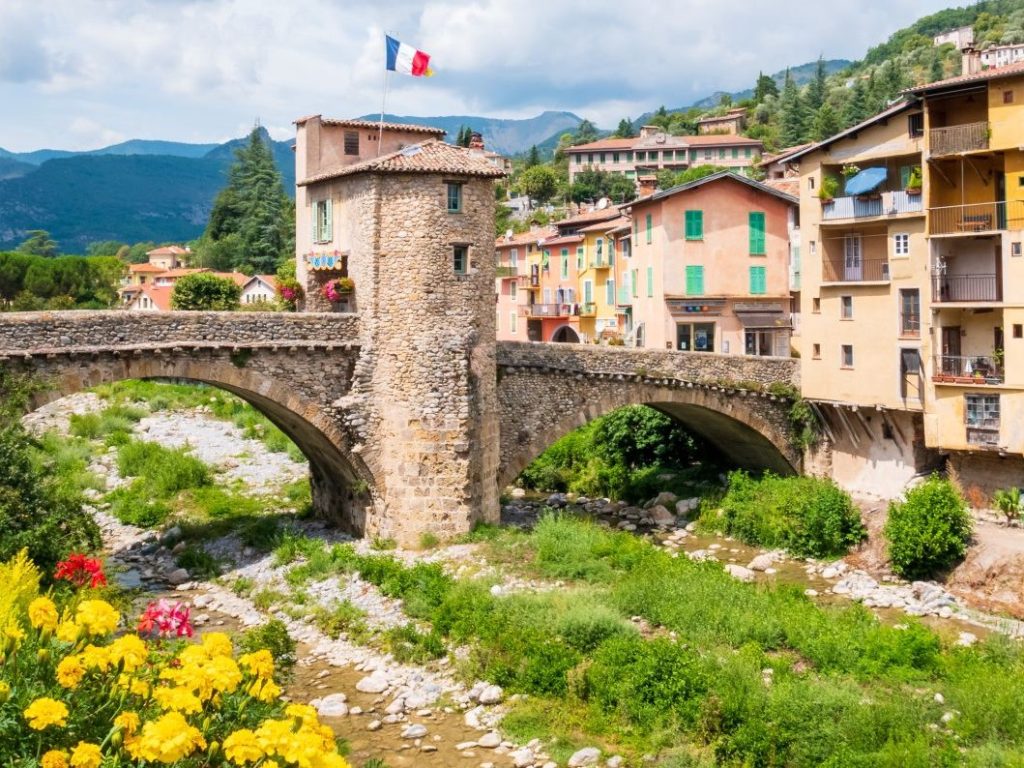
{"x":566,"y":334}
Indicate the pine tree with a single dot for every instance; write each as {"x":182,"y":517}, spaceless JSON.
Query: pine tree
{"x":816,"y":91}
{"x":793,"y":128}
{"x":857,"y":108}
{"x":765,"y":86}
{"x":533,"y":158}
{"x":826,"y":122}
{"x":625,"y":129}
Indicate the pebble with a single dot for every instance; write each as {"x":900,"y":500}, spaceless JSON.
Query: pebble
{"x":331,"y":706}
{"x":489,"y":740}
{"x":416,"y":731}
{"x":584,"y":757}
{"x":374,"y":725}
{"x":492,"y":694}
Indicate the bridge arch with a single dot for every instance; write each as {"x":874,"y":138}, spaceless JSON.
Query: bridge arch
{"x":342,"y":484}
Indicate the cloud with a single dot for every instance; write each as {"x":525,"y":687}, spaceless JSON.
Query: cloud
{"x":196,"y":69}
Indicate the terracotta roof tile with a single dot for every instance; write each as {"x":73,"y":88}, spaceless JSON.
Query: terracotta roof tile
{"x":606,"y":226}
{"x":993,"y":73}
{"x":168,"y":250}
{"x":236,"y":277}
{"x":524,"y":238}
{"x":719,"y":138}
{"x":426,"y":157}
{"x":374,"y":125}
{"x":181,"y":272}
{"x":788,"y":186}
{"x":590,"y":216}
{"x":604,"y":144}
{"x":270,"y":280}
{"x":565,"y":240}
{"x":158,"y":294}
{"x":144,"y":267}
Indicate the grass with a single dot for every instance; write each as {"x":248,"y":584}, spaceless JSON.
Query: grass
{"x":199,"y":563}
{"x":342,"y":617}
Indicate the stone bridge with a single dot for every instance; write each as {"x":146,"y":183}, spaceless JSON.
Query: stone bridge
{"x":383,"y":465}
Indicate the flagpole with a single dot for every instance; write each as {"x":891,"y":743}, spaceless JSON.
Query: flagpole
{"x":384,"y":100}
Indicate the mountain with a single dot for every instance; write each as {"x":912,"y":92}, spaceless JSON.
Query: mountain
{"x":131,"y":196}
{"x":130,"y":147}
{"x":801,"y":74}
{"x":508,"y":137}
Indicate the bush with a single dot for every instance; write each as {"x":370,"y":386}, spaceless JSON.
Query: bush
{"x":410,"y":646}
{"x":928,"y":533}
{"x":203,"y":291}
{"x":275,"y":638}
{"x":809,"y":516}
{"x":165,"y":470}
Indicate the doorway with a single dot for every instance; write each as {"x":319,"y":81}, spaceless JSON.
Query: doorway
{"x":952,"y":363}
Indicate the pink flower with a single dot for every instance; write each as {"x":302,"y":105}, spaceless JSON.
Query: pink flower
{"x":165,"y":619}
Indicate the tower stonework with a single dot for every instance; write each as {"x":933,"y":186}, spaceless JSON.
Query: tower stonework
{"x":413,"y":230}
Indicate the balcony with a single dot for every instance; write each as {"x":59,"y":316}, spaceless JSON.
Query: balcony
{"x":889,"y":204}
{"x":956,"y":139}
{"x":624,"y":299}
{"x":599,"y":262}
{"x":970,"y":369}
{"x":588,"y":309}
{"x":854,"y":270}
{"x":504,"y":271}
{"x":976,"y":217}
{"x":550,"y":310}
{"x":965,"y":288}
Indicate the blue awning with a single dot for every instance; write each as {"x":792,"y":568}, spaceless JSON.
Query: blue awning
{"x":866,"y":181}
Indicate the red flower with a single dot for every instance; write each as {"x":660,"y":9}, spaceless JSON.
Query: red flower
{"x":165,"y":619}
{"x":80,"y":570}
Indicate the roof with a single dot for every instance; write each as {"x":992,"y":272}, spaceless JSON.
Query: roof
{"x":525,"y":238}
{"x":783,"y":154}
{"x":791,"y":199}
{"x":993,"y":73}
{"x":605,"y":144}
{"x":788,"y":186}
{"x":236,"y":277}
{"x":270,"y":280}
{"x":159,"y":294}
{"x":598,"y":214}
{"x":719,"y":138}
{"x":144,"y":267}
{"x":426,"y":157}
{"x":168,"y":250}
{"x":564,"y":240}
{"x":181,"y":272}
{"x":605,"y":226}
{"x":882,"y":116}
{"x":374,"y":125}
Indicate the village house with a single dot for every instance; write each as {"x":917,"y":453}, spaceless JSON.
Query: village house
{"x":732,"y":122}
{"x":515,"y":278}
{"x":259,"y":289}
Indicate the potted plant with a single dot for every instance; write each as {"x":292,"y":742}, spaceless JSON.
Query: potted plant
{"x":290,"y":291}
{"x":829,"y":187}
{"x":914,"y":181}
{"x":338,"y":290}
{"x":850,"y":170}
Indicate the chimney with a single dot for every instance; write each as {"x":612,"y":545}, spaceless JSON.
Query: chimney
{"x":970,"y":60}
{"x":476,"y":141}
{"x":648,"y":185}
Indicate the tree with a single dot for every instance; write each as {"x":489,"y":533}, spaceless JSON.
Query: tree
{"x":539,"y":183}
{"x":625,"y":129}
{"x":586,"y":132}
{"x":857,"y":108}
{"x":765,"y":87}
{"x":668,"y":179}
{"x":826,"y":123}
{"x":791,"y":105}
{"x":137,"y":253}
{"x":816,"y":90}
{"x":39,"y":243}
{"x":203,"y":291}
{"x":104,"y":248}
{"x":533,"y":157}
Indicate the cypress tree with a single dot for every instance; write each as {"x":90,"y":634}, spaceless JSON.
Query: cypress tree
{"x":826,"y":122}
{"x":817,"y":89}
{"x":793,"y":128}
{"x":857,"y":108}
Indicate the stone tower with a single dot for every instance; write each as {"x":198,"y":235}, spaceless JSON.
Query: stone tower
{"x":413,"y":231}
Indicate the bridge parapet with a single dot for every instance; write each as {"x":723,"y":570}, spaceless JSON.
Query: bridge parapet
{"x":41,"y":332}
{"x":706,"y":368}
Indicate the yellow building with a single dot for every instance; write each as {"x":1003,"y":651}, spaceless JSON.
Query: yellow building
{"x":596,"y":258}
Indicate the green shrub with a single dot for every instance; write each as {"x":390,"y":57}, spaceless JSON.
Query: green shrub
{"x":275,"y":638}
{"x":928,"y":532}
{"x":809,"y":516}
{"x":199,"y":563}
{"x":586,"y":624}
{"x":134,"y":504}
{"x":410,"y":646}
{"x":343,"y":616}
{"x":262,"y":534}
{"x":165,"y":470}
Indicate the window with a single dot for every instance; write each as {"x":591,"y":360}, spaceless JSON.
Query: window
{"x":460,"y":259}
{"x":513,"y":320}
{"x":695,"y":281}
{"x":609,"y":292}
{"x":915,"y":125}
{"x":757,"y":241}
{"x":590,"y":158}
{"x":746,"y":151}
{"x":901,"y":244}
{"x":322,"y":221}
{"x":910,"y":312}
{"x":910,"y":374}
{"x":454,"y":197}
{"x":600,"y":251}
{"x":565,"y":263}
{"x":982,"y":417}
{"x":816,"y":351}
{"x":846,"y":360}
{"x":816,"y":306}
{"x":513,"y":289}
{"x":735,"y":153}
{"x":513,"y":258}
{"x":351,"y":142}
{"x":758,"y":280}
{"x":629,"y":157}
{"x":846,"y":307}
{"x":707,"y":154}
{"x":1007,"y":97}
{"x":602,"y":157}
{"x":810,"y":183}
{"x":1015,"y":247}
{"x":693,"y":155}
{"x":579,"y":159}
{"x":641,"y":156}
{"x":579,"y":258}
{"x":615,"y":157}
{"x":588,"y":291}
{"x":1018,"y":331}
{"x":635,"y":282}
{"x":648,"y":222}
{"x":695,"y":225}
{"x":721,"y":154}
{"x":650,"y":282}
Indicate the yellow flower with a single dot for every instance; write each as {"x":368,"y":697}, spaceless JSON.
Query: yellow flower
{"x":167,"y":739}
{"x":264,"y":690}
{"x":13,"y":631}
{"x":134,"y":686}
{"x":260,"y":664}
{"x":42,"y":613}
{"x":70,"y":671}
{"x":303,"y":712}
{"x":97,"y":617}
{"x":223,"y":673}
{"x":128,"y":722}
{"x":44,"y":712}
{"x":194,"y":654}
{"x":330,"y":760}
{"x":178,"y":699}
{"x":94,"y":657}
{"x":5,"y":692}
{"x":68,"y":632}
{"x":241,"y":747}
{"x":130,"y":651}
{"x":86,"y":755}
{"x":54,"y":759}
{"x":217,"y":644}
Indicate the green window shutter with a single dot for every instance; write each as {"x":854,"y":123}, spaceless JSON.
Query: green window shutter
{"x":757,"y":245}
{"x":650,"y":282}
{"x":588,"y":292}
{"x":545,"y":260}
{"x":648,"y":229}
{"x":695,"y":225}
{"x":313,"y":219}
{"x":695,"y":281}
{"x":758,"y":280}
{"x":565,"y":263}
{"x":693,"y":155}
{"x":329,"y":234}
{"x":735,"y":152}
{"x":609,"y":292}
{"x":635,"y":281}
{"x":579,"y":258}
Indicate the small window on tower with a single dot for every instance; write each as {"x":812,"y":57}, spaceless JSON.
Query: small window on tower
{"x":351,"y":142}
{"x":460,"y":259}
{"x":454,"y":197}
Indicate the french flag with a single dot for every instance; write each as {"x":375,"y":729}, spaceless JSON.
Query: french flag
{"x":407,"y":60}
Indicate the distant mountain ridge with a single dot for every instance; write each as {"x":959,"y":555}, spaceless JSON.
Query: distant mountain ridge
{"x":505,"y":136}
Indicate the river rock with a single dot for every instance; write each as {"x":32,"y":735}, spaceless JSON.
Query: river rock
{"x":661,"y":516}
{"x":518,"y":493}
{"x":492,"y":694}
{"x":760,"y":563}
{"x":522,"y":758}
{"x":177,"y":577}
{"x":331,"y":706}
{"x":739,"y":573}
{"x":416,"y":731}
{"x":967,"y":639}
{"x":374,"y":683}
{"x":665,"y":498}
{"x":614,"y":762}
{"x":585,"y":756}
{"x":374,"y":725}
{"x":396,"y":707}
{"x":489,"y":740}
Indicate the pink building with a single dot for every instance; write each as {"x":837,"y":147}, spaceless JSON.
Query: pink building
{"x":709,"y":269}
{"x":514,"y":253}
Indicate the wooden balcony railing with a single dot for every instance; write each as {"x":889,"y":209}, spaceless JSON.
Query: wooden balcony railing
{"x":967,"y":369}
{"x":976,"y":217}
{"x":965,"y":288}
{"x":854,"y":270}
{"x":958,"y":138}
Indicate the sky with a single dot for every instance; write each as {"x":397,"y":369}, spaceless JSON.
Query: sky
{"x":83,"y":74}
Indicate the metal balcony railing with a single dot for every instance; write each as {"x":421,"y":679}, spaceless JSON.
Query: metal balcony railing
{"x":958,"y":138}
{"x":976,"y":217}
{"x":854,"y":270}
{"x":967,"y":369}
{"x":551,"y":310}
{"x":887,"y":204}
{"x":600,"y":262}
{"x":588,"y":309}
{"x":965,"y":288}
{"x":505,"y":271}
